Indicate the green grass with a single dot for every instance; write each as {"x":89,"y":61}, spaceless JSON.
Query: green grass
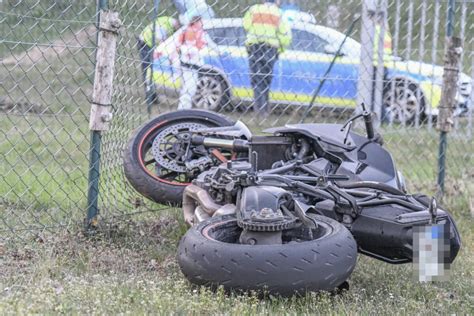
{"x":131,"y":268}
{"x":26,"y":22}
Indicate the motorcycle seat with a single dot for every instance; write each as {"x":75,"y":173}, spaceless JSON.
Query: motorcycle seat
{"x":327,"y":133}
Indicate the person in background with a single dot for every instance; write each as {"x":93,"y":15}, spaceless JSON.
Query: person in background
{"x":165,"y":26}
{"x":268,"y":35}
{"x":191,"y":42}
{"x":378,"y":19}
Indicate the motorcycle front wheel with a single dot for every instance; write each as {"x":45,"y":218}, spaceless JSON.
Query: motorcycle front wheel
{"x":210,"y":254}
{"x":155,"y":158}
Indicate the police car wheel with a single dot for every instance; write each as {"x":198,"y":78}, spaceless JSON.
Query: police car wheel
{"x":401,"y":101}
{"x":211,"y":93}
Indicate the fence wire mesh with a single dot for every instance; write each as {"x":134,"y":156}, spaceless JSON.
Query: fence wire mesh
{"x":47,"y":64}
{"x":47,"y":54}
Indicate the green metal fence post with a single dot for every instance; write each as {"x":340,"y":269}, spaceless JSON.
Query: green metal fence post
{"x":94,"y":174}
{"x":94,"y":158}
{"x":443,"y":136}
{"x":443,"y":146}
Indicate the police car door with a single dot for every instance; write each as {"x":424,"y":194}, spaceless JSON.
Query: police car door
{"x":302,"y":67}
{"x":232,"y":63}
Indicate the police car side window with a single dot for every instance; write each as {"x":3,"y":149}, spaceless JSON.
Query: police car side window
{"x":227,"y":36}
{"x":239,"y":33}
{"x":307,"y":42}
{"x":217,"y":34}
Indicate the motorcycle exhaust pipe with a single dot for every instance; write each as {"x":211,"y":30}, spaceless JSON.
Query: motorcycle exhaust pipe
{"x":198,"y":205}
{"x":238,"y":145}
{"x":194,"y":197}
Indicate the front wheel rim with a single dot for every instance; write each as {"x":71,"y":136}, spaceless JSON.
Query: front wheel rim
{"x":209,"y":93}
{"x":401,"y":103}
{"x":150,"y":164}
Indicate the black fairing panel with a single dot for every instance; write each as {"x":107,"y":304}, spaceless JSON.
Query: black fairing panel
{"x":365,"y":159}
{"x":376,"y":164}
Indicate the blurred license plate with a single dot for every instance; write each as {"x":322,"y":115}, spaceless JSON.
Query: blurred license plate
{"x":430,"y":252}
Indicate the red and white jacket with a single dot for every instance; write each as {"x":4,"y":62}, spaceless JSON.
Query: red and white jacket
{"x":191,"y":42}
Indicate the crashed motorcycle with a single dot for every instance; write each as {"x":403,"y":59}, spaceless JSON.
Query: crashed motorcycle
{"x":285,"y":212}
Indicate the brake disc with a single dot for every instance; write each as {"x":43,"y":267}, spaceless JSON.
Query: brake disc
{"x":170,"y":146}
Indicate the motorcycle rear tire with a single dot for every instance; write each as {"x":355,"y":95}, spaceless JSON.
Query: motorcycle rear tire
{"x":323,"y":263}
{"x":150,"y":186}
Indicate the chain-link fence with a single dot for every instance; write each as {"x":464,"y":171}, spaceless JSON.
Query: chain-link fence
{"x":47,"y":54}
{"x":47,"y":63}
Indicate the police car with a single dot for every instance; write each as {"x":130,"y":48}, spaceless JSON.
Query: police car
{"x":225,"y":80}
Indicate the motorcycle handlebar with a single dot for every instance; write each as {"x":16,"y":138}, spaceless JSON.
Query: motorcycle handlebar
{"x":369,"y":126}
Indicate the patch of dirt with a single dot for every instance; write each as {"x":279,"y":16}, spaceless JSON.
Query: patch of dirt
{"x":129,"y":252}
{"x":12,"y":107}
{"x":154,"y":232}
{"x":54,"y":49}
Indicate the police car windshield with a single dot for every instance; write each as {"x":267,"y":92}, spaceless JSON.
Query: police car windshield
{"x":227,"y":36}
{"x":235,"y":36}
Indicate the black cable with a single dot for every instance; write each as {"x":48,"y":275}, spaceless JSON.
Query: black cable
{"x":318,"y":89}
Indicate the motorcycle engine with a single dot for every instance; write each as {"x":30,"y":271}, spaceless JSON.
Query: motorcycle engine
{"x":263,"y":211}
{"x":221,"y":182}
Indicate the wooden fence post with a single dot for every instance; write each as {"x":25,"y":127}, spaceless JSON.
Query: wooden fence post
{"x":101,"y":101}
{"x":450,"y":84}
{"x":101,"y":104}
{"x":448,"y":99}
